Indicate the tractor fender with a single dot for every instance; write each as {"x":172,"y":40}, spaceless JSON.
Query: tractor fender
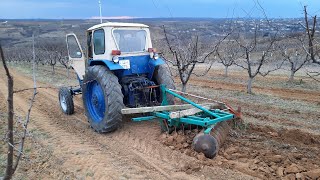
{"x":111,"y":65}
{"x":115,"y":66}
{"x":153,"y":64}
{"x":156,"y":62}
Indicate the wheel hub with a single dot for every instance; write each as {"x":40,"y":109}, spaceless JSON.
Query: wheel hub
{"x":95,"y":102}
{"x":63,"y":102}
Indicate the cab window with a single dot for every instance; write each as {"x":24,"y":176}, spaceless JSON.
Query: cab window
{"x":130,"y":40}
{"x":99,"y":42}
{"x":73,"y":47}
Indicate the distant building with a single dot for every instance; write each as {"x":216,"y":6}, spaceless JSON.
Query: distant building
{"x":75,"y":26}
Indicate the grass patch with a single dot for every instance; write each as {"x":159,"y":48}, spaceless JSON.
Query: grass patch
{"x":3,"y":160}
{"x":39,"y":134}
{"x":90,"y":174}
{"x":44,"y":75}
{"x":3,"y":146}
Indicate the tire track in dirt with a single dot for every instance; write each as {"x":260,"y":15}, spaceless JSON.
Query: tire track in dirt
{"x":294,"y":94}
{"x":91,"y":159}
{"x":145,"y":149}
{"x":143,"y":138}
{"x":37,"y":161}
{"x":131,"y":150}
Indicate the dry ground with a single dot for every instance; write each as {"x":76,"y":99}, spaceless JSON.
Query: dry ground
{"x":267,"y":146}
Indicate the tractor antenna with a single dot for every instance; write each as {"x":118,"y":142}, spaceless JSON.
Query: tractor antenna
{"x":100,"y":11}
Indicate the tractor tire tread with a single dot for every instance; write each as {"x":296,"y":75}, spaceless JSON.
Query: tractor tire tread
{"x":163,"y":76}
{"x":64,"y":91}
{"x":113,"y":98}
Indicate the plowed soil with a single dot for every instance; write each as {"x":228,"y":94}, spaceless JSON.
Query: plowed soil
{"x":267,"y":146}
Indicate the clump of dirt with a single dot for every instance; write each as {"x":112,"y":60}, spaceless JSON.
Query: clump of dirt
{"x":292,"y":136}
{"x":268,"y":153}
{"x":180,"y":140}
{"x":259,"y":151}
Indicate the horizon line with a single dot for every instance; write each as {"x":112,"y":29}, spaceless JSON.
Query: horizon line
{"x":130,"y":18}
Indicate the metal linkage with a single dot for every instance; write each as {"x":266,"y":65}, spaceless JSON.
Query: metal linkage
{"x":237,"y":113}
{"x":76,"y":91}
{"x":137,"y":92}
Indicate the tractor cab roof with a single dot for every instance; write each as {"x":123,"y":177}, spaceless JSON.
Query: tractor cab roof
{"x":117,"y":24}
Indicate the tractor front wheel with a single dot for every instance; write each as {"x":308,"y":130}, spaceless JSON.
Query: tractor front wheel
{"x":66,"y":101}
{"x":102,"y":98}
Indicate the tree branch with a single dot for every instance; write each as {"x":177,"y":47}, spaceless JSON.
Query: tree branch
{"x":27,"y":120}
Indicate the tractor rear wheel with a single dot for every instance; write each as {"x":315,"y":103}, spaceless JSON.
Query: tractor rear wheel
{"x":66,"y":101}
{"x":162,"y":75}
{"x":102,"y":98}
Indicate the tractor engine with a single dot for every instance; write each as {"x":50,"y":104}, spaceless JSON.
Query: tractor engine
{"x":139,"y":91}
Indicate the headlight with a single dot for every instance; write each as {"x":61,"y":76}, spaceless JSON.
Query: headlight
{"x":115,"y":59}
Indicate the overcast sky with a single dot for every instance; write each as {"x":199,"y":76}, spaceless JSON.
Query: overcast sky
{"x":84,"y":9}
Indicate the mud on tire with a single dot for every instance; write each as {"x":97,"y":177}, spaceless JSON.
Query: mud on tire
{"x":66,"y":101}
{"x":102,"y":99}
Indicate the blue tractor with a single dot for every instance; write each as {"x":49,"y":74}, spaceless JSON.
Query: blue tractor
{"x":121,"y":74}
{"x":121,"y":68}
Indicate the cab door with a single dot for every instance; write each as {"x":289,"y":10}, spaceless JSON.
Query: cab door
{"x":75,"y":54}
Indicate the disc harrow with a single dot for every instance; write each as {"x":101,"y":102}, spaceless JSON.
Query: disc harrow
{"x":211,"y":118}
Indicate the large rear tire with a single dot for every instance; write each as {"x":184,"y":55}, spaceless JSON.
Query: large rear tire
{"x":162,"y":75}
{"x":102,"y":98}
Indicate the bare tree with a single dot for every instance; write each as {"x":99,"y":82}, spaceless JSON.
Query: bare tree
{"x":228,"y":52}
{"x":313,"y":48}
{"x":256,"y":53}
{"x":53,"y":52}
{"x":11,"y":167}
{"x":19,"y":55}
{"x":9,"y":135}
{"x":64,"y":61}
{"x":313,"y":45}
{"x":294,"y":54}
{"x":185,"y":58}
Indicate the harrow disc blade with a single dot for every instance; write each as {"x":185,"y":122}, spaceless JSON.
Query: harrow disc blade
{"x":209,"y":144}
{"x":206,"y":144}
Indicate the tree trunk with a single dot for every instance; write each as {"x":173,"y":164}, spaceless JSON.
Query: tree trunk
{"x":291,"y":78}
{"x":184,"y":87}
{"x":249,"y":85}
{"x":226,"y":71}
{"x":9,"y":169}
{"x":53,"y":72}
{"x":68,"y":72}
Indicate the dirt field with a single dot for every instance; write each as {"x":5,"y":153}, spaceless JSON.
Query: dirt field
{"x":267,"y":146}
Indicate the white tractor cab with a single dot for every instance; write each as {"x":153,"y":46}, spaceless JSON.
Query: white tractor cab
{"x":121,"y":68}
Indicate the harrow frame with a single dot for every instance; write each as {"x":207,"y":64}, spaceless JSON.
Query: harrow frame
{"x":201,"y":115}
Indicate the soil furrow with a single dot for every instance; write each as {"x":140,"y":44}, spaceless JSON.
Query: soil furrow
{"x":130,"y":152}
